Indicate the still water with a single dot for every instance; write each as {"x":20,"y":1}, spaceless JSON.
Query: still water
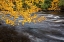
{"x":50,"y":30}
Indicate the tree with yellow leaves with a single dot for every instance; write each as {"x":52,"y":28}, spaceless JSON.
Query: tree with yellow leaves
{"x":54,"y":5}
{"x":19,"y":8}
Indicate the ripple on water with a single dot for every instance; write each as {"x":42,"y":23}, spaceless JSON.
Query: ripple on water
{"x":50,"y":30}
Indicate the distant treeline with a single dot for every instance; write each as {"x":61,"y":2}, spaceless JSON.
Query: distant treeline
{"x":51,"y":3}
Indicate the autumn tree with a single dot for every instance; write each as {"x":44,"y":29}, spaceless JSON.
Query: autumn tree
{"x":13,"y":9}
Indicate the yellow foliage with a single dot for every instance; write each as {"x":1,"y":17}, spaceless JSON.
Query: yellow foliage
{"x":54,"y":5}
{"x":8,"y":21}
{"x":15,"y":9}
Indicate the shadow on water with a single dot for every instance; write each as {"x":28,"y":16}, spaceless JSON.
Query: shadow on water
{"x":8,"y":34}
{"x":56,"y":13}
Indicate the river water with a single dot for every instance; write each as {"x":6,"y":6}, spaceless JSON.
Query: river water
{"x":50,"y":30}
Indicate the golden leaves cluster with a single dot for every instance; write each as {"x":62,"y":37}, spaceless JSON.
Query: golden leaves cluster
{"x":54,"y":5}
{"x":19,"y":8}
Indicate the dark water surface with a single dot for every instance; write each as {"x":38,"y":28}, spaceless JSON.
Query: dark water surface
{"x":50,"y":30}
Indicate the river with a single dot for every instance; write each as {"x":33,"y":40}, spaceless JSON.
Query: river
{"x":50,"y":30}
